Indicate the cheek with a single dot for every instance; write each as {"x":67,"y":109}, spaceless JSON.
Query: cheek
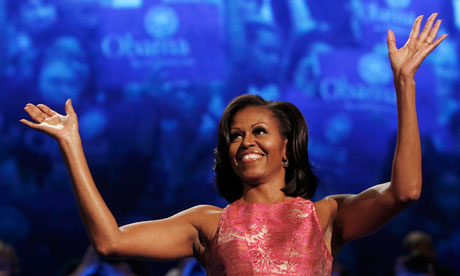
{"x":232,"y":151}
{"x":274,"y":147}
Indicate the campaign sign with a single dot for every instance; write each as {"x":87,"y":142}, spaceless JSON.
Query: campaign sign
{"x":371,"y":20}
{"x":361,"y":79}
{"x":182,"y":40}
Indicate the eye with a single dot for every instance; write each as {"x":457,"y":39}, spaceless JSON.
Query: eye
{"x":235,"y":135}
{"x":259,"y":130}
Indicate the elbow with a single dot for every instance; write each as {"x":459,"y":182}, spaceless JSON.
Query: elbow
{"x":410,"y":195}
{"x":106,"y":248}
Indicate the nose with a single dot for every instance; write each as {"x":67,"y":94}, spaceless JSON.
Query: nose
{"x":248,"y":141}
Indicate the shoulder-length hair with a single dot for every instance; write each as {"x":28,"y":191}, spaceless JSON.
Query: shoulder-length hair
{"x":300,"y":179}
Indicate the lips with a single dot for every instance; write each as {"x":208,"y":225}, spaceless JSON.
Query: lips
{"x":251,"y":156}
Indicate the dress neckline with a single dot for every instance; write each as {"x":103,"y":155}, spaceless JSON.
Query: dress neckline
{"x":270,"y":204}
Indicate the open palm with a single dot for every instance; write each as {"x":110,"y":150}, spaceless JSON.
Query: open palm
{"x":52,"y":123}
{"x":406,"y":60}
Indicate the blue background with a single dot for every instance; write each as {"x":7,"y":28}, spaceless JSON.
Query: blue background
{"x":149,"y":80}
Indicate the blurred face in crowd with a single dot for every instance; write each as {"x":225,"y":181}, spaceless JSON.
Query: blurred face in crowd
{"x":65,"y":71}
{"x":36,"y":15}
{"x":249,"y":8}
{"x":257,"y":148}
{"x":58,"y":82}
{"x":265,"y":55}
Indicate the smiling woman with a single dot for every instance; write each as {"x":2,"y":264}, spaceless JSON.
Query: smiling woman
{"x":270,"y":226}
{"x":250,"y":124}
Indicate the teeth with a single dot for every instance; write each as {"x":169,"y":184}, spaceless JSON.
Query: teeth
{"x":251,"y":156}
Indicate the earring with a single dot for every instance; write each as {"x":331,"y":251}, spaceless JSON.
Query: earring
{"x":285,"y":163}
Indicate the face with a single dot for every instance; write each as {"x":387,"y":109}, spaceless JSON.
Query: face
{"x":58,"y":82}
{"x":265,"y":55}
{"x":257,"y":148}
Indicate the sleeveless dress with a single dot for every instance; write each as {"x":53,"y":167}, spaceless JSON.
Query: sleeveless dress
{"x":269,"y":239}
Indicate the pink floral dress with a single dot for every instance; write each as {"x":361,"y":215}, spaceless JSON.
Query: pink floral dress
{"x":269,"y":239}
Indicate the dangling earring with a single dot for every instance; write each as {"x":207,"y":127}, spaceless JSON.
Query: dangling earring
{"x":285,"y":163}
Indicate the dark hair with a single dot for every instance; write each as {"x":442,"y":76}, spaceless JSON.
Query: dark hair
{"x":300,"y":179}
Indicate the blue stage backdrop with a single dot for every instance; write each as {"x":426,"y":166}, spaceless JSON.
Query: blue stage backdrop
{"x":149,"y":80}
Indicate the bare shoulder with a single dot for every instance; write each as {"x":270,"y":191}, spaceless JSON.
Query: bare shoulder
{"x":328,"y":207}
{"x":339,"y":198}
{"x":327,"y":202}
{"x":204,"y":212}
{"x":199,"y":212}
{"x":326,"y":210}
{"x":205,"y":219}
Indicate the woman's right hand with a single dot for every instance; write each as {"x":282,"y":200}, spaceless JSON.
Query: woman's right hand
{"x":58,"y":126}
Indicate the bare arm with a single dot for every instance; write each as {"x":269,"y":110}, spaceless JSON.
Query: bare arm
{"x":169,"y":238}
{"x":362,"y":214}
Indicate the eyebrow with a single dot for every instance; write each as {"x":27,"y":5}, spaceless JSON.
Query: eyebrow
{"x":251,"y":125}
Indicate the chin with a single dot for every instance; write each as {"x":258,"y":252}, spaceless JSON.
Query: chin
{"x":252,"y":180}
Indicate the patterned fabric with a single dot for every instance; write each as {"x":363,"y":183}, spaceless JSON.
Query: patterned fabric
{"x":269,"y":239}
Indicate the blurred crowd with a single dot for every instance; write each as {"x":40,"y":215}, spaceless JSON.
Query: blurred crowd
{"x":150,"y":143}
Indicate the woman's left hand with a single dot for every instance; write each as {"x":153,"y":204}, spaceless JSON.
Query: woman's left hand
{"x":406,"y":60}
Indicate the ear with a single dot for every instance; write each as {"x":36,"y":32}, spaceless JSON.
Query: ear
{"x":285,"y":143}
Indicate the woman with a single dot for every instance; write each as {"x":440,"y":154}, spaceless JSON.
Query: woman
{"x":270,"y":227}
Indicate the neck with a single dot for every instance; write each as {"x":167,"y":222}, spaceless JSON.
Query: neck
{"x":264,"y":193}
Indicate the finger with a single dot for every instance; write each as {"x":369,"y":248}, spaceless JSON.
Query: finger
{"x":30,"y":124}
{"x":426,"y":51}
{"x":427,"y":28}
{"x":68,"y":107}
{"x":48,"y":111}
{"x":437,"y":42}
{"x":416,"y":28}
{"x":391,"y":41}
{"x":35,"y":113}
{"x":434,"y":32}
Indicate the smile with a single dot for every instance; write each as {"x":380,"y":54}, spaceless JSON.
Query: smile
{"x":251,"y":157}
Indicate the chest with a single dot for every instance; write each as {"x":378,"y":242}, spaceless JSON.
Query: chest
{"x":269,"y":240}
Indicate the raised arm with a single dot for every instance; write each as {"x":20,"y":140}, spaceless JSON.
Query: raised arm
{"x":362,"y":214}
{"x":174,"y":237}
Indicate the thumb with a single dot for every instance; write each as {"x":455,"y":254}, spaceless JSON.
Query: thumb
{"x":30,"y":124}
{"x":391,"y":41}
{"x":68,"y":107}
